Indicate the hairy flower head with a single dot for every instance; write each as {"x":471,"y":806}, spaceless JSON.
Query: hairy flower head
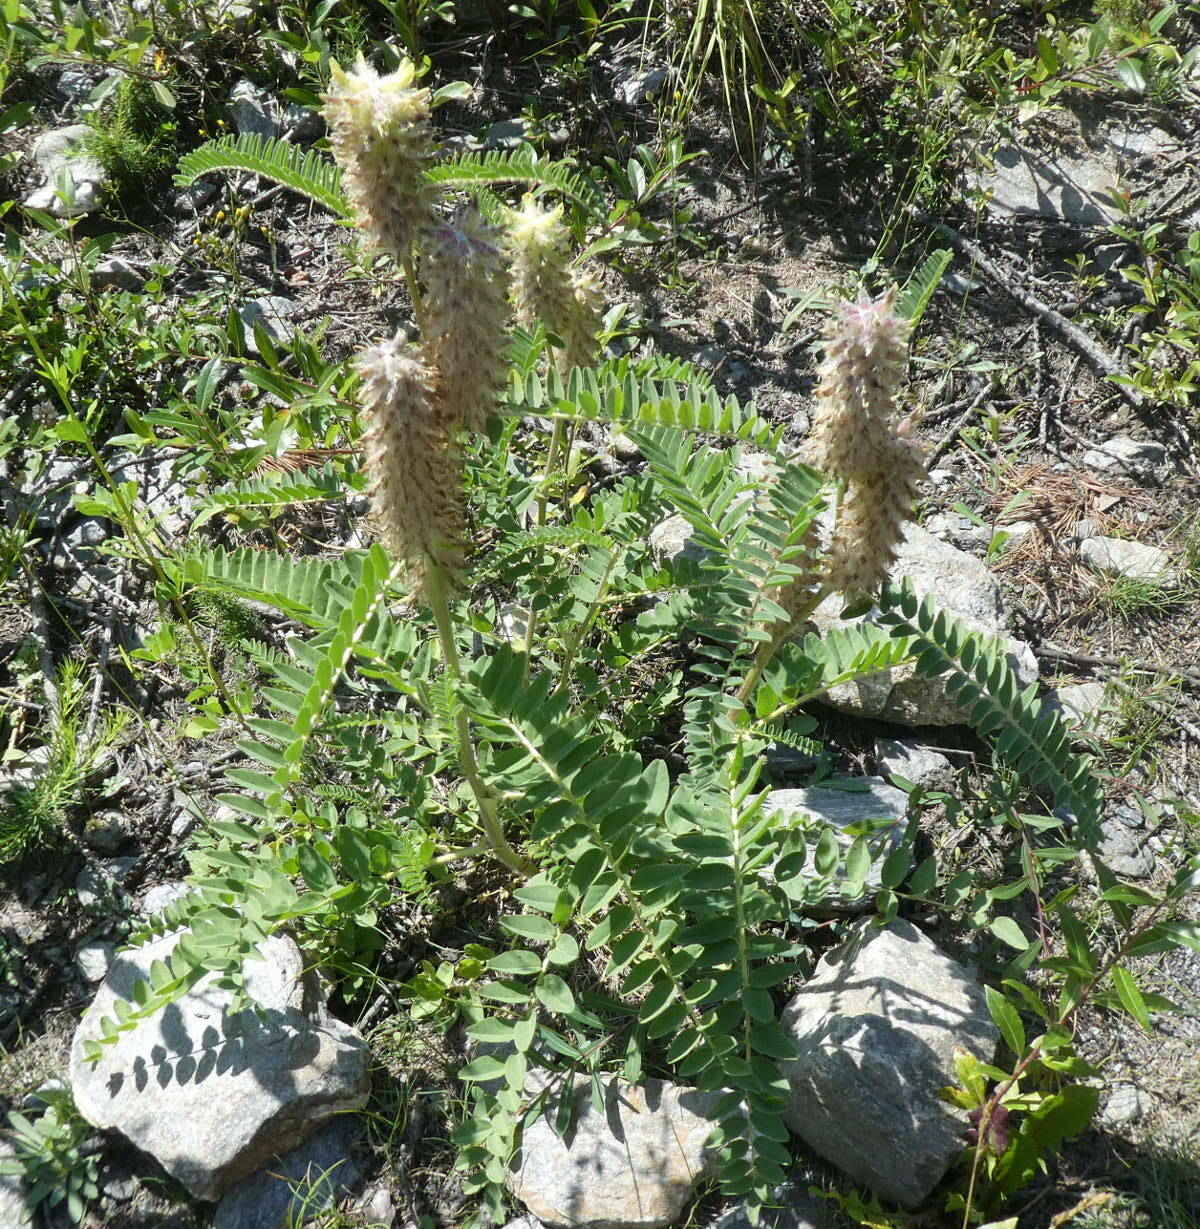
{"x":414,"y":466}
{"x":567,"y":301}
{"x":466,"y":318}
{"x":857,"y":441}
{"x":382,"y":139}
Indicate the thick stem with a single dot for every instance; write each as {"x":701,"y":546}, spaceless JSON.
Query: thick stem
{"x":435,"y":592}
{"x":768,"y":648}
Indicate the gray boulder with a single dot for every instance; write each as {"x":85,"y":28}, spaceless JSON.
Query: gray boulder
{"x":634,"y":1164}
{"x":297,"y":1187}
{"x":867,"y":802}
{"x":212,"y":1093}
{"x":962,"y":586}
{"x":876,"y":1029}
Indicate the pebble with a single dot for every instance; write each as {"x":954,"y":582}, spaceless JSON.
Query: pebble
{"x":97,"y":885}
{"x":93,"y":959}
{"x":1125,"y":1104}
{"x":1122,"y":557}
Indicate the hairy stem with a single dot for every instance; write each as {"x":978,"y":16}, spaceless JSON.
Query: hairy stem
{"x":436,"y":593}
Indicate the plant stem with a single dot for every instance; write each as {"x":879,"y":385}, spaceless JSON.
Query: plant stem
{"x":436,"y":594}
{"x":768,"y":648}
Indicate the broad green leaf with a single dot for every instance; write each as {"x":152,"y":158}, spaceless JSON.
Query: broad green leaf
{"x":554,"y":994}
{"x":1007,"y":931}
{"x":1008,"y":1021}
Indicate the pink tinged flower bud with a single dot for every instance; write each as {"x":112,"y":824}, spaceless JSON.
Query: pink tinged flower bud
{"x":380,"y":134}
{"x":857,"y":440}
{"x":466,"y":320}
{"x":414,"y":467}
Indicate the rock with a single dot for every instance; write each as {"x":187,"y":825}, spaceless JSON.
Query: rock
{"x":621,"y":445}
{"x":74,"y":178}
{"x":93,"y":959}
{"x":841,"y":809}
{"x":10,"y":1001}
{"x":376,"y":1208}
{"x":1132,"y":560}
{"x":640,"y":86}
{"x":513,"y":623}
{"x":671,"y":542}
{"x":1124,"y":455}
{"x":1057,"y":187}
{"x":273,"y":312}
{"x":85,"y":535}
{"x":105,"y":831}
{"x":15,"y":1213}
{"x":302,"y":124}
{"x":634,"y":1164}
{"x":876,"y":1028}
{"x":1123,"y":845}
{"x":210,"y":1093}
{"x":166,"y":495}
{"x":961,"y":585}
{"x":253,"y":110}
{"x":189,"y":201}
{"x":99,"y":886}
{"x":797,"y":1210}
{"x":75,"y":84}
{"x":901,"y":757}
{"x":162,"y":896}
{"x":1125,"y":1104}
{"x":113,"y":273}
{"x":297,"y":1187}
{"x":1082,"y":705}
{"x":507,"y":134}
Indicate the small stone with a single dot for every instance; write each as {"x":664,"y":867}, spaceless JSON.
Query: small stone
{"x":507,"y":134}
{"x":120,"y":1187}
{"x":93,"y":959}
{"x":15,"y":1213}
{"x":513,"y":623}
{"x":902,"y":757}
{"x":868,"y":803}
{"x":671,"y":542}
{"x":797,"y":1210}
{"x":86,"y":534}
{"x":302,"y":125}
{"x":1123,"y":847}
{"x":273,"y":313}
{"x":99,"y":886}
{"x":377,"y":1208}
{"x":253,"y":110}
{"x":1082,"y":705}
{"x":189,"y":201}
{"x":1132,"y":560}
{"x":641,"y":86}
{"x":876,"y":1029}
{"x":634,"y":1163}
{"x":297,"y":1187}
{"x":1123,"y":453}
{"x":105,"y":831}
{"x":162,"y":896}
{"x":1125,"y":1104}
{"x":114,"y":273}
{"x":621,"y":445}
{"x":74,"y":177}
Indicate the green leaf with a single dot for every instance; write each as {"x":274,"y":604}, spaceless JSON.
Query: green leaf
{"x":565,"y":951}
{"x":1007,"y":1020}
{"x":554,"y":994}
{"x":518,"y":962}
{"x":528,"y":926}
{"x":1007,"y":931}
{"x":483,"y":1068}
{"x":1131,"y":997}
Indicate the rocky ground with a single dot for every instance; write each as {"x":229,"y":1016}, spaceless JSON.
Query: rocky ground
{"x":1061,"y":514}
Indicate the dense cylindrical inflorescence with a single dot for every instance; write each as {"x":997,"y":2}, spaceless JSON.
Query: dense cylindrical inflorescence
{"x":466,"y":317}
{"x":545,"y":288}
{"x":855,"y":439}
{"x":414,"y":465}
{"x":381,"y":136}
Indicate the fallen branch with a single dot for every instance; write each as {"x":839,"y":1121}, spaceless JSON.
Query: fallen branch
{"x":1054,"y":652}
